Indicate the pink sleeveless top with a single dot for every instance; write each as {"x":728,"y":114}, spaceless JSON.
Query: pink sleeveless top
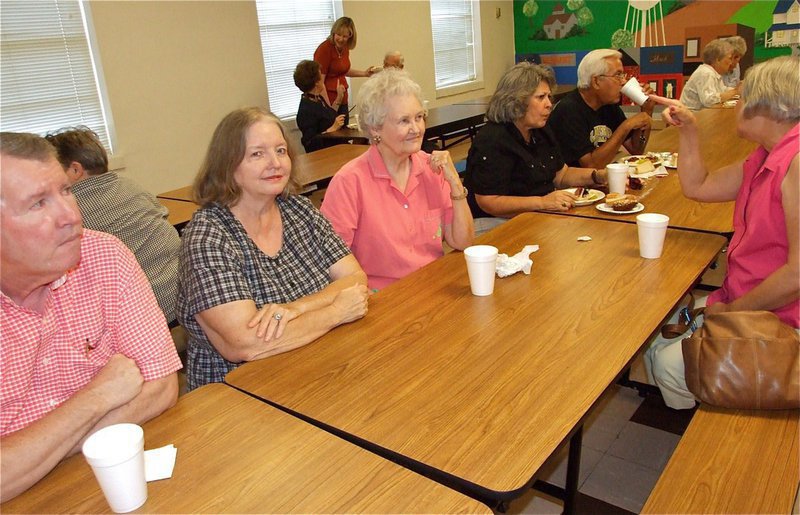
{"x":760,"y":244}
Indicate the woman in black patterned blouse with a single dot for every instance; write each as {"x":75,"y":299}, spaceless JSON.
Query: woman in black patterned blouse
{"x":261,"y":270}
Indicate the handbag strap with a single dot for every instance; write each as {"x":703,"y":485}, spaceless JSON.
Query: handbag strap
{"x":686,"y":321}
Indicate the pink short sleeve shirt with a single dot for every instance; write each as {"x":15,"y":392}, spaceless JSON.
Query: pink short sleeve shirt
{"x":392,"y":233}
{"x":103,"y":307}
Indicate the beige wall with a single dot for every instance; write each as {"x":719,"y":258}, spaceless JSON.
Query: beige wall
{"x":173,"y":69}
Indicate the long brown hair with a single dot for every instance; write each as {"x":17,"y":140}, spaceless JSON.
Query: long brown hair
{"x":215,"y":182}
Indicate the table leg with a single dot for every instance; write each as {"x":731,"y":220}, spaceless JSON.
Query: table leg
{"x":573,"y":471}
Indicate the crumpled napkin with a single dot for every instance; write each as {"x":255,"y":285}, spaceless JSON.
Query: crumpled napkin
{"x":158,"y":463}
{"x":520,"y":261}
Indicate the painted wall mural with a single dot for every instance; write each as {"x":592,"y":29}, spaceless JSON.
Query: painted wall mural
{"x":661,"y":40}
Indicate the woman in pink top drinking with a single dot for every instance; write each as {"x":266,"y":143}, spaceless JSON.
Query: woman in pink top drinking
{"x":333,"y":56}
{"x":764,"y":253}
{"x":394,"y":204}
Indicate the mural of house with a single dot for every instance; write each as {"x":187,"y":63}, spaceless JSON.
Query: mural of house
{"x":785,"y":29}
{"x":558,"y":24}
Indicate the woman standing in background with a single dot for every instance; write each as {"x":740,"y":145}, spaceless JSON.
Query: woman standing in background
{"x":333,"y":56}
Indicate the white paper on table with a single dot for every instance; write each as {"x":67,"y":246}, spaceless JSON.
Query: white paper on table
{"x":158,"y":463}
{"x":520,"y":261}
{"x":658,"y":172}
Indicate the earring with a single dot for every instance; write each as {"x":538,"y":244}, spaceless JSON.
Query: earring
{"x":376,"y":139}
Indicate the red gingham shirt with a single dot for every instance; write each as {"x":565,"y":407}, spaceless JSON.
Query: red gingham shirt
{"x":103,"y":307}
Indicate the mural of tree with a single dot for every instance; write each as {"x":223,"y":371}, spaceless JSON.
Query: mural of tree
{"x":574,"y":5}
{"x":622,"y":39}
{"x":585,"y":16}
{"x":530,"y":9}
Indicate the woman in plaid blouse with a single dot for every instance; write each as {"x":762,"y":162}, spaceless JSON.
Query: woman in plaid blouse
{"x":262,"y":271}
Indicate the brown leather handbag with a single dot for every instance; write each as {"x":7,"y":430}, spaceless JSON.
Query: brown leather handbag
{"x":744,"y":360}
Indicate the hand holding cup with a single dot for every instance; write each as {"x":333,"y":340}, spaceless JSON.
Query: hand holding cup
{"x":633,"y":90}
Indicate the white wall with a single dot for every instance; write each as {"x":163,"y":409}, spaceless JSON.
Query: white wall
{"x":174,"y":69}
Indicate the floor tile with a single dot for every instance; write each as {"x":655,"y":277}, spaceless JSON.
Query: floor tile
{"x":554,"y":471}
{"x":620,"y":483}
{"x":535,"y":502}
{"x":645,"y":445}
{"x":600,"y":436}
{"x":609,"y":416}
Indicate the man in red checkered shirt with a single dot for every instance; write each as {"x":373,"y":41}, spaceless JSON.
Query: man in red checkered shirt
{"x":83,"y":343}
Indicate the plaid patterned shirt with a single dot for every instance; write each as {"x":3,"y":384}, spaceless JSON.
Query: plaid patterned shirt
{"x":103,"y":307}
{"x":221,"y":264}
{"x":141,"y":223}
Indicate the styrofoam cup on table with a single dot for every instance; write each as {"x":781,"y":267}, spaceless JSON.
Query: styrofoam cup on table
{"x":633,"y":90}
{"x":116,"y":455}
{"x":617,"y":174}
{"x":652,"y":228}
{"x":481,"y":267}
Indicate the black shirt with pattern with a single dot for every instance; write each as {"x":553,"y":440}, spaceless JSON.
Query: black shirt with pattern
{"x":500,"y":162}
{"x":580,"y":129}
{"x":221,"y":264}
{"x":314,"y":117}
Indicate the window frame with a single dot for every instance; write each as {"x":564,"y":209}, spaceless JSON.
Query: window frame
{"x":102,"y":104}
{"x":476,"y":83}
{"x":286,"y":78}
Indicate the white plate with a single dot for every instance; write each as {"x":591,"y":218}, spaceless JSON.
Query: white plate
{"x":636,"y":157}
{"x":606,"y":209}
{"x":672,"y":163}
{"x":594,"y":196}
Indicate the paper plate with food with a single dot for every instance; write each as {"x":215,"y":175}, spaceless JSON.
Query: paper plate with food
{"x":642,"y":164}
{"x":619,"y":204}
{"x":586,"y":196}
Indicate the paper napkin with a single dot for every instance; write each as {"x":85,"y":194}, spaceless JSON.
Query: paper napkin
{"x":520,"y":261}
{"x":158,"y":463}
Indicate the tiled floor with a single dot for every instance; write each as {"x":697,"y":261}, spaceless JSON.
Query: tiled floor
{"x":621,"y":459}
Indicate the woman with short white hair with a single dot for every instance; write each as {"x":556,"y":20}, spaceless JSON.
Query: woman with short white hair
{"x":705,"y":87}
{"x":764,"y":253}
{"x":731,"y":79}
{"x":394,"y":204}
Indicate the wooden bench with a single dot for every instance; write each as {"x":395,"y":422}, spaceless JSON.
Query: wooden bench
{"x":732,"y":461}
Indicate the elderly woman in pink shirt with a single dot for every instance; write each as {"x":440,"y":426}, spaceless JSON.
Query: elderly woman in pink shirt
{"x":764,"y":253}
{"x":394,"y":204}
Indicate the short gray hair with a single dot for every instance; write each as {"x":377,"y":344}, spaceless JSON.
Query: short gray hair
{"x":738,"y":43}
{"x":377,"y":90}
{"x":716,"y":50}
{"x":772,"y":89}
{"x":593,"y":64}
{"x":514,"y":90}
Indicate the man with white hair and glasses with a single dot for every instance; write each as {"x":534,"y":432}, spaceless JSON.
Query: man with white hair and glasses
{"x":589,"y":124}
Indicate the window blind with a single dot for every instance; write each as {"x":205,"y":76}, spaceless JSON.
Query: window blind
{"x":47,"y":77}
{"x":290,"y":32}
{"x":453,"y":41}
